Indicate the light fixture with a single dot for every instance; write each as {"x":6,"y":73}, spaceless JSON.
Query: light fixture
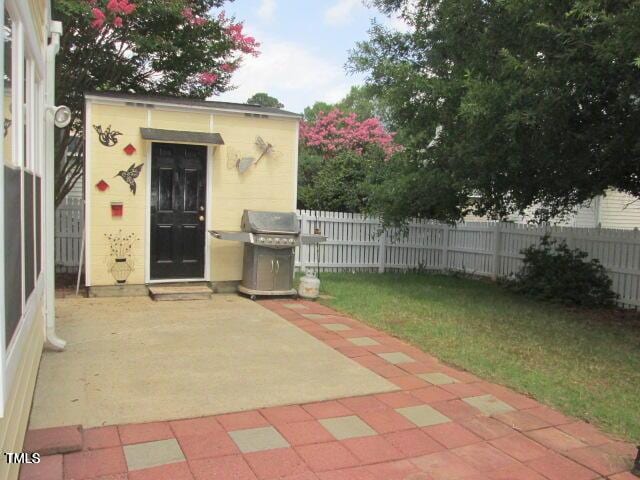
{"x":61,"y":115}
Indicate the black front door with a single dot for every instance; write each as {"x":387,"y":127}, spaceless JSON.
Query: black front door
{"x":178,"y":201}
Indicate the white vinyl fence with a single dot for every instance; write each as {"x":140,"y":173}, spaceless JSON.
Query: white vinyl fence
{"x":491,"y":249}
{"x":68,"y":236}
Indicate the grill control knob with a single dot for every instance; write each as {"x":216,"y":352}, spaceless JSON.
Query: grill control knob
{"x":291,"y":240}
{"x":277,"y":240}
{"x":261,"y":239}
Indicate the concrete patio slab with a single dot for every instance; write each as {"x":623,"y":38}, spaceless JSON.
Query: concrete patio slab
{"x":132,"y":360}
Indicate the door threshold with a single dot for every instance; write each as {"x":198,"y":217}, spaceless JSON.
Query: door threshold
{"x":177,"y":280}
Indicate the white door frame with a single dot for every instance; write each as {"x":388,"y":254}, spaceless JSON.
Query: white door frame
{"x":207,"y":224}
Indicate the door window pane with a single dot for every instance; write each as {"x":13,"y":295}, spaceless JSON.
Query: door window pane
{"x":8,"y":77}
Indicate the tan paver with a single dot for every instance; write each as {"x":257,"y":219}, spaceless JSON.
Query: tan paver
{"x":488,"y":404}
{"x":336,"y":327}
{"x":314,"y":316}
{"x":295,"y":306}
{"x":258,"y":439}
{"x":347,"y":427}
{"x":396,"y":357}
{"x":423,"y":415}
{"x":437,"y":378}
{"x":363,"y":341}
{"x":152,"y":454}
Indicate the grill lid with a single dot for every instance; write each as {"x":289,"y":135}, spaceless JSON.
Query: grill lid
{"x":270,"y":222}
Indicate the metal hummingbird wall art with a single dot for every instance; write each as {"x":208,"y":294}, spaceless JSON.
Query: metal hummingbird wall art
{"x":130,"y":175}
{"x":107,"y":137}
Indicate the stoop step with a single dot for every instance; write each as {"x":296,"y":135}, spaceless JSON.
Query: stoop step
{"x":183,"y":292}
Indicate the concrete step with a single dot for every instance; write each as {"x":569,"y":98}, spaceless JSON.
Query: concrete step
{"x":55,"y":440}
{"x":180,"y":292}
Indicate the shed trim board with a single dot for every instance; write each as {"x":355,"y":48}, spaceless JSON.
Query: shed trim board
{"x":188,"y":104}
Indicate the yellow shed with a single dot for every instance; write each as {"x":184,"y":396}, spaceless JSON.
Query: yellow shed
{"x":160,"y":172}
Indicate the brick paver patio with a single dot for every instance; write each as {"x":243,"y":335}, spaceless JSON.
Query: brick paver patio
{"x":441,"y":424}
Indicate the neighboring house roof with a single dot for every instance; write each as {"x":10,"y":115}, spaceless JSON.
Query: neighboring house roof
{"x":193,"y":102}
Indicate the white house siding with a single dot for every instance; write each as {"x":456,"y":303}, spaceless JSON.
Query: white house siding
{"x":619,"y":210}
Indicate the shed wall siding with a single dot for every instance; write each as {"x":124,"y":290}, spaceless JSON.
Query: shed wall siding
{"x":268,"y":186}
{"x":16,"y":416}
{"x":619,"y":210}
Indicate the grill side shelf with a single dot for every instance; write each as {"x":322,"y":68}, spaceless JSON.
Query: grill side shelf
{"x":231,"y":236}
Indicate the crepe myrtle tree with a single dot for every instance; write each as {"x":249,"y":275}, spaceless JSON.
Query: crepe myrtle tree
{"x":186,"y":48}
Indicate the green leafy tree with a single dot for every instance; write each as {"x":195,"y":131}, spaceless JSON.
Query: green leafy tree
{"x":265,"y":100}
{"x":538,"y":104}
{"x":165,"y":47}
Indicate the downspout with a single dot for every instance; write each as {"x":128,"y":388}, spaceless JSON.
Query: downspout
{"x":52,"y":341}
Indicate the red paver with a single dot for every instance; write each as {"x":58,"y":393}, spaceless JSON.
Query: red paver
{"x":49,"y":468}
{"x":173,"y":471}
{"x":515,"y":472}
{"x":398,"y":470}
{"x":49,"y":441}
{"x":94,"y":463}
{"x":287,"y":414}
{"x":520,"y":447}
{"x":363,"y":404}
{"x":484,"y":457}
{"x":385,"y":421}
{"x":585,"y":432}
{"x":409,"y":382}
{"x":195,"y":426}
{"x":521,"y":421}
{"x":373,"y":449}
{"x":388,"y":371}
{"x":276,"y":463}
{"x":242,"y":420}
{"x":555,"y":439}
{"x":327,"y":409}
{"x":215,"y":444}
{"x":101,"y":437}
{"x":355,"y":473}
{"x":601,"y":461}
{"x":398,"y":399}
{"x":444,"y":466}
{"x":327,"y":456}
{"x":144,"y":432}
{"x":232,"y":467}
{"x":413,"y":443}
{"x":487,"y":427}
{"x":352,"y":351}
{"x":305,"y":433}
{"x":432,"y":395}
{"x":557,"y":467}
{"x":452,"y":435}
{"x":455,"y":409}
{"x":549,"y":415}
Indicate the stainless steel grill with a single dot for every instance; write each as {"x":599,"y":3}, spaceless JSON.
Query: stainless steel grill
{"x":270,"y":239}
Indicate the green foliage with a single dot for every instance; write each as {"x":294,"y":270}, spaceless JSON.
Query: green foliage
{"x":538,"y":101}
{"x":552,"y":271}
{"x":341,"y":183}
{"x":360,"y":100}
{"x":265,"y":100}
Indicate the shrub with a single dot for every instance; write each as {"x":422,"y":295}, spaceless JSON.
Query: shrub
{"x":553,"y":271}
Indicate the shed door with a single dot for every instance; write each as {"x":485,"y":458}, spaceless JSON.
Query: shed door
{"x":178,"y":200}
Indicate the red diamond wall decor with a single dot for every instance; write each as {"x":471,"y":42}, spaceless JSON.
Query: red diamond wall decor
{"x":102,"y":185}
{"x":129,"y":149}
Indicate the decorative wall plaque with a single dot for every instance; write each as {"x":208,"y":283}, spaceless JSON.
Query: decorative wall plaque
{"x":107,"y":137}
{"x":130,"y":176}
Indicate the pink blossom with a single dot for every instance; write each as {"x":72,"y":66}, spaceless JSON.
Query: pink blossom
{"x":98,"y":18}
{"x":208,"y":78}
{"x":227,"y":67}
{"x":127,"y":7}
{"x":339,"y":131}
{"x":114,"y":6}
{"x":198,"y":21}
{"x":187,"y":12}
{"x":117,"y":22}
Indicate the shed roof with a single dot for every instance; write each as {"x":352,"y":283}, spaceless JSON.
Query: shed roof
{"x":193,"y":102}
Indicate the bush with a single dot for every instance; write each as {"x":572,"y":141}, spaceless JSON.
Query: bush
{"x":552,"y":271}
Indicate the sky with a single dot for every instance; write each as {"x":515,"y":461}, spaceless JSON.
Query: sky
{"x":304,"y":47}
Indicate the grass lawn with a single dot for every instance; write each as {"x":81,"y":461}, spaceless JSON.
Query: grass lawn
{"x":585,"y":363}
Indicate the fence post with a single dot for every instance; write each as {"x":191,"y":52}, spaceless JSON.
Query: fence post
{"x":303,"y":251}
{"x":382,"y":248}
{"x":445,"y":247}
{"x":497,"y":246}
